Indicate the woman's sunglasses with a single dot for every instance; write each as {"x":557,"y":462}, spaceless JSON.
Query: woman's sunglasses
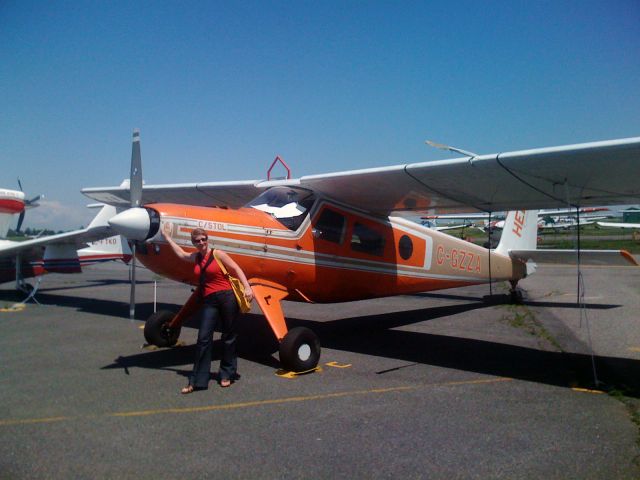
{"x":199,"y":240}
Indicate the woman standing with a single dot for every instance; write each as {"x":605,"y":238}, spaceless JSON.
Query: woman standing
{"x":219,"y":308}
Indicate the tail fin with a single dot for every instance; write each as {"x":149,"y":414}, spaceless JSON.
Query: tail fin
{"x":103,"y":216}
{"x":520,"y":231}
{"x":111,"y":248}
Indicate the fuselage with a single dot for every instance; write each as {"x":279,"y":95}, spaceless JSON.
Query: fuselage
{"x":331,"y":253}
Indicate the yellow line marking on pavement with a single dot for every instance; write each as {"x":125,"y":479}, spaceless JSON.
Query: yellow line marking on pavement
{"x":634,"y":349}
{"x":474,"y":382}
{"x":288,"y":374}
{"x":586,"y":390}
{"x":28,"y":421}
{"x":16,"y":307}
{"x":256,"y":403}
{"x":337,"y":365}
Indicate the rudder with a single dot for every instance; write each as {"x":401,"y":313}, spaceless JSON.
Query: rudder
{"x":520,"y":231}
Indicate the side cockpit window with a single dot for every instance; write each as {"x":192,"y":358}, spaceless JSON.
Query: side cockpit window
{"x":330,"y":226}
{"x":289,"y":206}
{"x":367,"y":240}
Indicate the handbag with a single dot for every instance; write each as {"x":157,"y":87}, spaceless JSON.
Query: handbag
{"x":238,"y":288}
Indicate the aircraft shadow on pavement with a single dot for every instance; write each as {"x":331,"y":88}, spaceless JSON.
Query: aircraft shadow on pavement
{"x":256,"y":343}
{"x":98,"y":306}
{"x":490,"y":358}
{"x":373,"y":335}
{"x":93,"y":284}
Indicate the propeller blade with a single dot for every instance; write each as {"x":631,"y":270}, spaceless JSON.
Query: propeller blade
{"x":20,"y":184}
{"x":33,"y":200}
{"x":135,"y":193}
{"x":132,"y":298}
{"x":135,"y":178}
{"x":20,"y":219}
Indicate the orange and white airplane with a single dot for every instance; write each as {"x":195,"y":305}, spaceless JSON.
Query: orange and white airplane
{"x":339,"y":237}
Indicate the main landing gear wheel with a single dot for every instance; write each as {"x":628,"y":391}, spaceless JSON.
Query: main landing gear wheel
{"x":299,"y":350}
{"x":158,"y":333}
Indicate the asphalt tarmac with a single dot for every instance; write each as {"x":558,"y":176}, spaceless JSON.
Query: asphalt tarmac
{"x":435,"y":385}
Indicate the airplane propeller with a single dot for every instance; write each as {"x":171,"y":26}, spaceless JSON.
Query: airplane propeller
{"x":28,"y":204}
{"x":137,"y":223}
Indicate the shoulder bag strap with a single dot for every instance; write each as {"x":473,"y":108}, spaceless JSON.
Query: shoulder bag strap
{"x":203,"y":270}
{"x":224,"y":270}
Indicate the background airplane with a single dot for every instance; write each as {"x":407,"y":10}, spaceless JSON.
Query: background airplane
{"x":548,"y":218}
{"x":334,"y":237}
{"x":619,"y":224}
{"x":61,"y":253}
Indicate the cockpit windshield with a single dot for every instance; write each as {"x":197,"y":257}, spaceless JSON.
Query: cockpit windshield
{"x":288,"y":205}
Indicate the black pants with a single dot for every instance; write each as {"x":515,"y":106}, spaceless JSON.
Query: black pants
{"x":219,"y":312}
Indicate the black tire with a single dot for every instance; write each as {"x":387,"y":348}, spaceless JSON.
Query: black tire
{"x":515,"y":297}
{"x":299,"y":350}
{"x":156,"y":331}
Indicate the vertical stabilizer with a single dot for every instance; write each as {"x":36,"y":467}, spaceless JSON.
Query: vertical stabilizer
{"x":520,"y":231}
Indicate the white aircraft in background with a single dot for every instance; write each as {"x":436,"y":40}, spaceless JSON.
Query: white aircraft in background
{"x":561,"y":218}
{"x":566,"y":223}
{"x":619,"y":224}
{"x":61,"y":253}
{"x":432,"y":225}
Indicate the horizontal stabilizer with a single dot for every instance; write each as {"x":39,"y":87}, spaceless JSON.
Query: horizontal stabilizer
{"x":570,"y":257}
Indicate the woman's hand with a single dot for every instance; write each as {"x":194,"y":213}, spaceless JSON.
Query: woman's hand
{"x":248,"y":292}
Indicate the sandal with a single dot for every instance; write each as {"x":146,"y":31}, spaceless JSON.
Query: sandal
{"x":190,"y":389}
{"x":225,"y":382}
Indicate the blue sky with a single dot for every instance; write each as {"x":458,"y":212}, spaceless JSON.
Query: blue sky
{"x":218,"y":89}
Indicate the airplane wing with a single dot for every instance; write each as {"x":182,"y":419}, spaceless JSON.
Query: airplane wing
{"x":80,"y":238}
{"x":461,"y":216}
{"x":619,"y":225}
{"x":97,"y":230}
{"x":229,"y":194}
{"x":452,"y":227}
{"x":589,"y":174}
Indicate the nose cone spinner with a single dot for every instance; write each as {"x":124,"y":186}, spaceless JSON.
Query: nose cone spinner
{"x":134,"y":223}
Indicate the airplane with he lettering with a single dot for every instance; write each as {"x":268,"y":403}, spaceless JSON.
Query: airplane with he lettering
{"x":340,"y":237}
{"x":61,"y":253}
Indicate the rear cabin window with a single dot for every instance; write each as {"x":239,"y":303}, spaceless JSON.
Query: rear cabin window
{"x":367,"y":240}
{"x":330,"y":226}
